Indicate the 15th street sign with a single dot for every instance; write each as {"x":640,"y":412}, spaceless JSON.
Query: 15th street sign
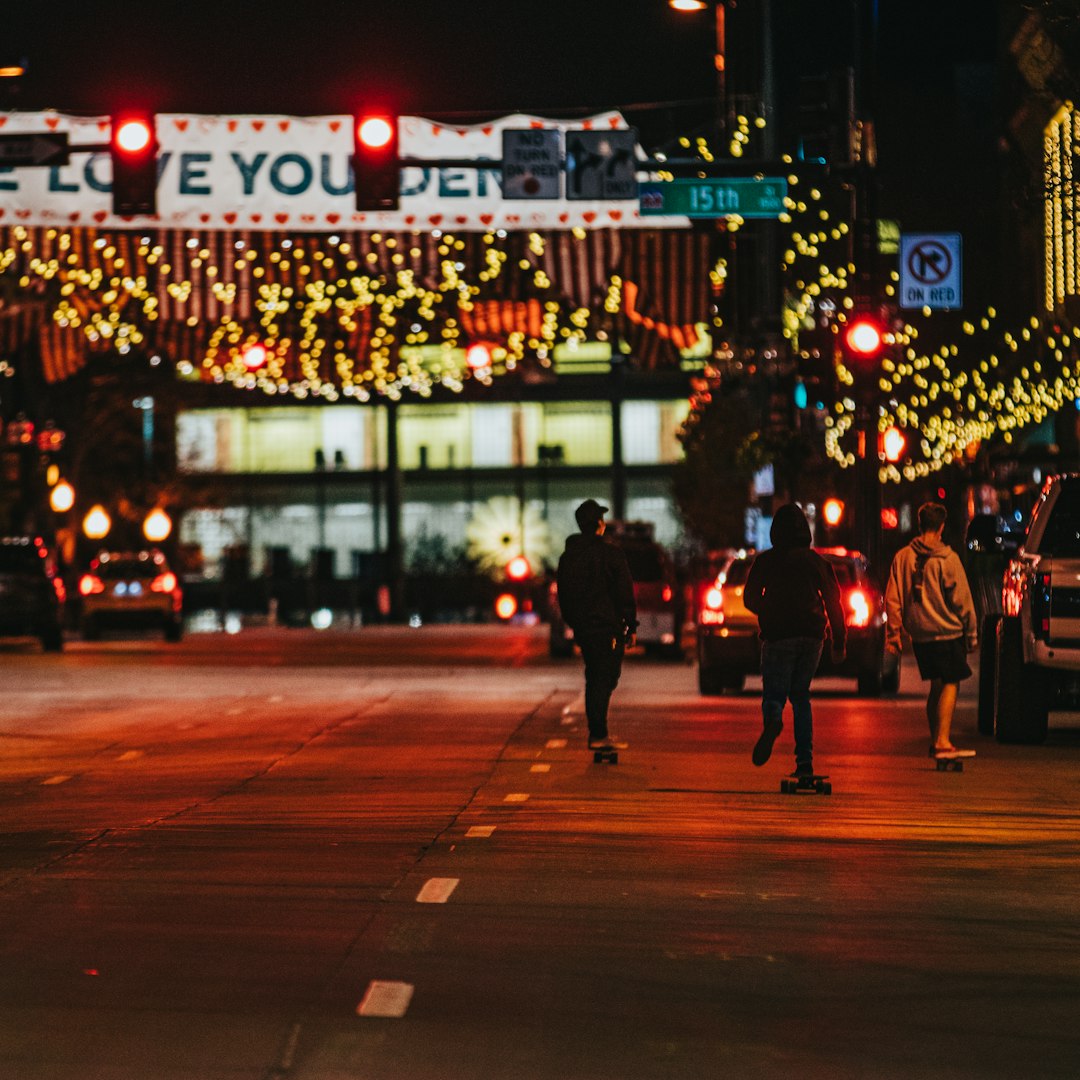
{"x":715,"y":197}
{"x":34,"y":148}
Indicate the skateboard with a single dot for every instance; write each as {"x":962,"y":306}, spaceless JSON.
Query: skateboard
{"x":610,"y":757}
{"x":818,"y":783}
{"x":946,"y":764}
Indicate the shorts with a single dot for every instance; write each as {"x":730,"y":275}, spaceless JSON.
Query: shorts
{"x":945,"y":660}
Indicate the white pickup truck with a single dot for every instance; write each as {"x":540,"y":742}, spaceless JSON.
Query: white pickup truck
{"x":1030,"y":655}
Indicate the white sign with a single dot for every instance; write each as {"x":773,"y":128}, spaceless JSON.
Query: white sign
{"x":292,"y":174}
{"x":930,"y":270}
{"x":601,"y":164}
{"x":531,"y":163}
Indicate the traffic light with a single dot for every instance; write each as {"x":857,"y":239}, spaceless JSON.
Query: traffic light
{"x":864,"y":340}
{"x":376,"y":172}
{"x":893,"y":444}
{"x":133,"y":149}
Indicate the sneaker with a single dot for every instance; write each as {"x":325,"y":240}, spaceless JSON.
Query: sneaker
{"x":951,"y":753}
{"x":608,"y":742}
{"x":763,"y":747}
{"x":803,"y":768}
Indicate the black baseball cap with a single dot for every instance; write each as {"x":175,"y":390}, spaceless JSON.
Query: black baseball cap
{"x":589,"y":513}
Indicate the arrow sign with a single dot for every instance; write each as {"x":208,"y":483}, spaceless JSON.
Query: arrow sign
{"x":930,"y":271}
{"x":34,"y":148}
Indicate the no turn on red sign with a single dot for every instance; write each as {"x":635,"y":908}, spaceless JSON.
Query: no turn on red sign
{"x":930,"y":271}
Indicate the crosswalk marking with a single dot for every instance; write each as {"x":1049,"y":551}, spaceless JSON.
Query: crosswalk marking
{"x":517,"y":796}
{"x":480,"y":832}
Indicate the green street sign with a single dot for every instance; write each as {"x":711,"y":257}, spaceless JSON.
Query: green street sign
{"x":747,"y":197}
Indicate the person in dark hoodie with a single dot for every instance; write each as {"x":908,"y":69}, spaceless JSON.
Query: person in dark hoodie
{"x":794,"y":593}
{"x":596,"y":598}
{"x":928,"y":596}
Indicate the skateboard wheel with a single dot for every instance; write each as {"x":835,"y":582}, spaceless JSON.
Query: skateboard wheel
{"x":609,"y":756}
{"x":825,"y":788}
{"x":788,"y":787}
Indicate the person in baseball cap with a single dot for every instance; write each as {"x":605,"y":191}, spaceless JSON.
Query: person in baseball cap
{"x":596,"y":598}
{"x":588,"y":514}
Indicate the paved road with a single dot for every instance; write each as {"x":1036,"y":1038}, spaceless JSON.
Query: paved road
{"x":213,"y":855}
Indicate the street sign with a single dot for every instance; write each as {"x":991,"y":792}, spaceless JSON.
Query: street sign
{"x":531,"y":163}
{"x":601,"y":164}
{"x":715,"y":197}
{"x":930,"y":270}
{"x":34,"y":148}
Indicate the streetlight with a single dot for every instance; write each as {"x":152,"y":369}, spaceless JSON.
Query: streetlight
{"x":62,"y":497}
{"x":97,"y":523}
{"x":157,"y":526}
{"x":719,"y":56}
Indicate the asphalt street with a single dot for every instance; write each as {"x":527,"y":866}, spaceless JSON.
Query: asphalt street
{"x":386,"y":854}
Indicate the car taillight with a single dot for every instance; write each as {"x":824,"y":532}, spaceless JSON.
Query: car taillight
{"x":163,"y":583}
{"x":60,"y":590}
{"x":712,"y":606}
{"x":666,"y":594}
{"x":90,"y":584}
{"x":858,"y":608}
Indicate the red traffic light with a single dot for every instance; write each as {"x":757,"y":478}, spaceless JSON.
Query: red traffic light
{"x":518,"y":568}
{"x":255,"y":355}
{"x":376,"y":172}
{"x":133,"y":149}
{"x":133,"y":136}
{"x":864,"y":339}
{"x":374,"y":132}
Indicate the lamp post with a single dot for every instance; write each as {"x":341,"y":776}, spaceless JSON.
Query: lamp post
{"x":720,"y":53}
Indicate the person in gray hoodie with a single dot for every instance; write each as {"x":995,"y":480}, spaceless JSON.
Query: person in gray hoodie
{"x":928,"y":596}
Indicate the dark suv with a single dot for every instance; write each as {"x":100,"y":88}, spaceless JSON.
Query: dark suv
{"x":32,"y":592}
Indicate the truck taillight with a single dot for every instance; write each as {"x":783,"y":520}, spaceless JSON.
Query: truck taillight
{"x":1040,"y":606}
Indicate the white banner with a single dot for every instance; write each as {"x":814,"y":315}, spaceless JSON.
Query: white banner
{"x":289,"y":173}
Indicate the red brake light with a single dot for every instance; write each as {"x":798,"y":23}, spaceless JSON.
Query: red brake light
{"x":858,"y":604}
{"x":163,"y":582}
{"x":712,"y":606}
{"x":61,"y":591}
{"x":90,"y":584}
{"x":666,"y":594}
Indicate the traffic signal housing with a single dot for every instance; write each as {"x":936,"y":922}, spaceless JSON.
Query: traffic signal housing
{"x":376,"y":172}
{"x":133,"y":149}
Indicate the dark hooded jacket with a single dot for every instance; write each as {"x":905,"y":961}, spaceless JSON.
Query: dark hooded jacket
{"x":791,"y":588}
{"x":596,"y":592}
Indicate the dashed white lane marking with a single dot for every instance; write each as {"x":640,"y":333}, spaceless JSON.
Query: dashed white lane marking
{"x":480,"y":832}
{"x":556,"y":744}
{"x":130,"y":755}
{"x":56,"y":780}
{"x":275,"y":698}
{"x":517,"y":796}
{"x":385,"y":998}
{"x":568,"y":721}
{"x":540,"y":768}
{"x":437,"y":890}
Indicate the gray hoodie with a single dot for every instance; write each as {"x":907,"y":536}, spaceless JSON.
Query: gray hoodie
{"x":928,"y":595}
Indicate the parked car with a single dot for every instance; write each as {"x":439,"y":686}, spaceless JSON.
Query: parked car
{"x":131,"y":590}
{"x":728,"y":646}
{"x":1030,"y":654}
{"x":32,"y":593}
{"x":659,"y":600}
